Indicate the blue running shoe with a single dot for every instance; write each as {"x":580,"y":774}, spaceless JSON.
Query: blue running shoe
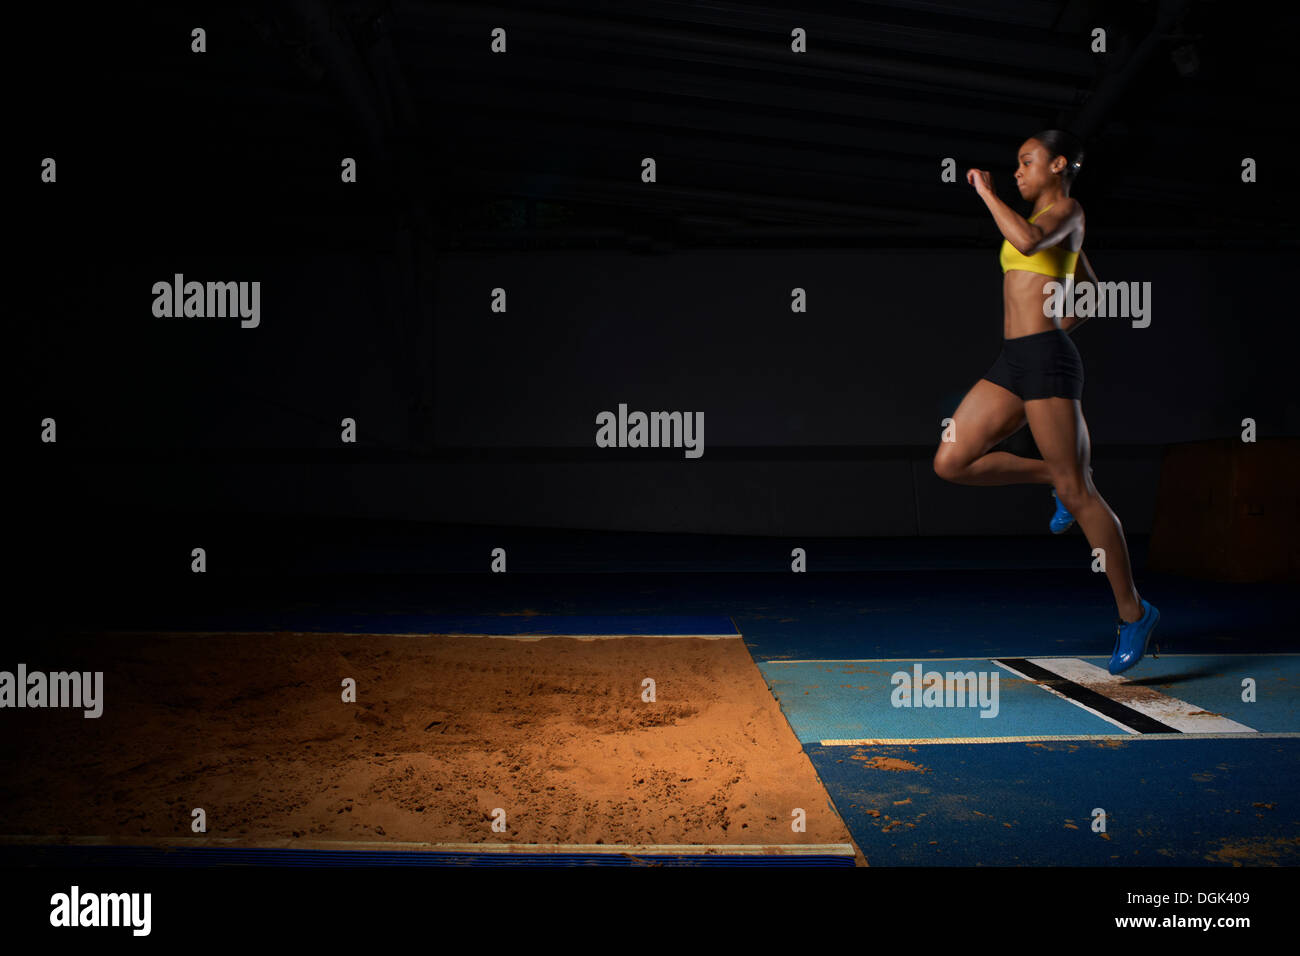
{"x":1131,"y":639}
{"x":1062,"y":520}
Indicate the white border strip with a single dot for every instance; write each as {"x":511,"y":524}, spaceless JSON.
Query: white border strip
{"x":976,"y":657}
{"x":508,"y":637}
{"x":640,"y":849}
{"x":595,"y":637}
{"x":915,"y":741}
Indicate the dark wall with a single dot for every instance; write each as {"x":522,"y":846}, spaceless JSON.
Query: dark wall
{"x":889,"y":344}
{"x":226,"y":167}
{"x":819,"y":423}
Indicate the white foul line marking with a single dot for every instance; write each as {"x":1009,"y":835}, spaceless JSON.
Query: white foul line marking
{"x":1170,"y":711}
{"x":1050,"y":738}
{"x":1050,"y":690}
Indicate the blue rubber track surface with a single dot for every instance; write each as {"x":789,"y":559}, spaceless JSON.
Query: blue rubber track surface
{"x":1189,"y":802}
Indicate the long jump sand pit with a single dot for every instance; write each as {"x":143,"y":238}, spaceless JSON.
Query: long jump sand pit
{"x":447,"y":732}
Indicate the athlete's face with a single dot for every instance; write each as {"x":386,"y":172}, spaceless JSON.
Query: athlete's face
{"x":1034,"y":168}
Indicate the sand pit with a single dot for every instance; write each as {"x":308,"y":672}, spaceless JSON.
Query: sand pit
{"x":445,"y":730}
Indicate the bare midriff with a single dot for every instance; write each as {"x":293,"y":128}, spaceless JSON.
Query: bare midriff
{"x":1023,"y":300}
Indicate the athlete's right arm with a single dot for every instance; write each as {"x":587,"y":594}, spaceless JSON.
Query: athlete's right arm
{"x":1072,"y":322}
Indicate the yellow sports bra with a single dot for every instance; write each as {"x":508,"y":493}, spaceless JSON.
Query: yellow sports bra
{"x":1054,"y":261}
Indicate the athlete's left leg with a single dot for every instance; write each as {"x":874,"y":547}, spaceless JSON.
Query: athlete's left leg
{"x":1062,"y":437}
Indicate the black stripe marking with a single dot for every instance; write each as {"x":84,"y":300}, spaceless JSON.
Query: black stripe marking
{"x":1133,"y":719}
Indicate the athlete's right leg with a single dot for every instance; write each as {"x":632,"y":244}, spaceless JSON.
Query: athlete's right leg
{"x":988,"y":414}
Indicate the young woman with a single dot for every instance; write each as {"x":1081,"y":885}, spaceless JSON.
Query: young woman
{"x":1038,"y":376}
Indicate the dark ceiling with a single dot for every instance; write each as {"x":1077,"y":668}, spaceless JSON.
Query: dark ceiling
{"x":755,"y":145}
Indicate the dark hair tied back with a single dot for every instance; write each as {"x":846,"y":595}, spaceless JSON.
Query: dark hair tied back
{"x":1059,"y":142}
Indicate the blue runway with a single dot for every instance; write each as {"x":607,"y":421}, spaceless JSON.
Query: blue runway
{"x":836,"y":700}
{"x":950,"y":788}
{"x":839,"y":700}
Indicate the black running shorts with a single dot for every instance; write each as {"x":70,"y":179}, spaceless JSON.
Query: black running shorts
{"x":1042,"y":365}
